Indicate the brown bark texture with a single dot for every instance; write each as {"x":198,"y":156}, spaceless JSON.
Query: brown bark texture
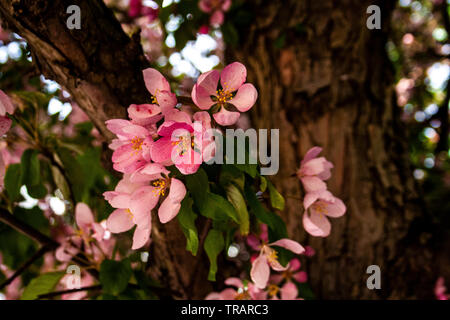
{"x":329,"y":85}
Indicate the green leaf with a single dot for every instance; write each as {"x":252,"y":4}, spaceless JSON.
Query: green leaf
{"x":277,"y":227}
{"x":74,"y":172}
{"x":30,"y":168}
{"x":186,"y":218}
{"x":114,"y":275}
{"x":12,"y":181}
{"x":263,"y":184}
{"x":231,"y":174}
{"x":214,"y":244}
{"x":237,"y":200}
{"x":198,"y":185}
{"x":41,"y":285}
{"x":276,"y":199}
{"x":209,"y":204}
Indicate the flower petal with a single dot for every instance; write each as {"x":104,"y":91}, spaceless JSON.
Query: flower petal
{"x":119,"y":221}
{"x":167,"y":100}
{"x":313,"y":184}
{"x":233,"y":76}
{"x":336,"y":209}
{"x":140,"y":238}
{"x":289,"y":244}
{"x":143,"y":200}
{"x":83,"y":215}
{"x":316,"y":224}
{"x":225,"y":117}
{"x":289,"y":291}
{"x":6,"y":105}
{"x":155,"y":81}
{"x":5,"y":124}
{"x":245,"y":97}
{"x":260,"y":272}
{"x":201,"y":97}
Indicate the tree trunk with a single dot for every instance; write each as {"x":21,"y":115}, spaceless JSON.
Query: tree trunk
{"x":331,"y":85}
{"x":102,"y":68}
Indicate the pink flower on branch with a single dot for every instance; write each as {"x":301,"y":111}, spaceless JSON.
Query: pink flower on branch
{"x":314,"y":170}
{"x":137,"y":195}
{"x":231,"y":93}
{"x":132,"y":148}
{"x":268,"y":258}
{"x":241,"y":291}
{"x":318,"y":207}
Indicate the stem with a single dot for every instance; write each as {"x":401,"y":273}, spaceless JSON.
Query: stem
{"x":43,"y":250}
{"x":58,"y":293}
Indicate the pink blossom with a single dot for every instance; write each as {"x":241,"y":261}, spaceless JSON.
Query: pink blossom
{"x":232,"y":92}
{"x":87,"y":226}
{"x":291,"y":273}
{"x":177,"y":146}
{"x":313,"y":170}
{"x":240,"y":291}
{"x":268,"y":258}
{"x":159,"y":88}
{"x":88,"y":229}
{"x":135,"y":196}
{"x":132,"y":148}
{"x":318,"y":206}
{"x":133,"y":202}
{"x":216,"y":8}
{"x":288,"y":291}
{"x":162,"y":185}
{"x":440,"y":290}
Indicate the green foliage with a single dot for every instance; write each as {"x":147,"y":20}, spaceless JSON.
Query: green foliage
{"x":186,"y":217}
{"x":114,"y":275}
{"x":12,"y":181}
{"x":277,"y":228}
{"x":15,"y":247}
{"x":276,"y":199}
{"x":42,"y":285}
{"x":235,"y":197}
{"x":209,"y":204}
{"x":214,"y":244}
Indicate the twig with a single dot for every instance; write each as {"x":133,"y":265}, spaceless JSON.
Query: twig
{"x":25,"y":229}
{"x":58,"y":293}
{"x":43,"y":250}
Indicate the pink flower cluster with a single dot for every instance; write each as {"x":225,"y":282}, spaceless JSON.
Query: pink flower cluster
{"x":159,"y":135}
{"x":319,"y":203}
{"x":263,"y":285}
{"x":88,"y":230}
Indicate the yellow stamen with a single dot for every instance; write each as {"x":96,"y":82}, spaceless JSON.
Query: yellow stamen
{"x":273,"y":289}
{"x":160,"y":187}
{"x":130,"y":214}
{"x":223,"y":95}
{"x":137,"y":143}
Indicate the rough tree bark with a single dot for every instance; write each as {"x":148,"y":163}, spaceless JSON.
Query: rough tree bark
{"x":102,"y":67}
{"x":331,"y":85}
